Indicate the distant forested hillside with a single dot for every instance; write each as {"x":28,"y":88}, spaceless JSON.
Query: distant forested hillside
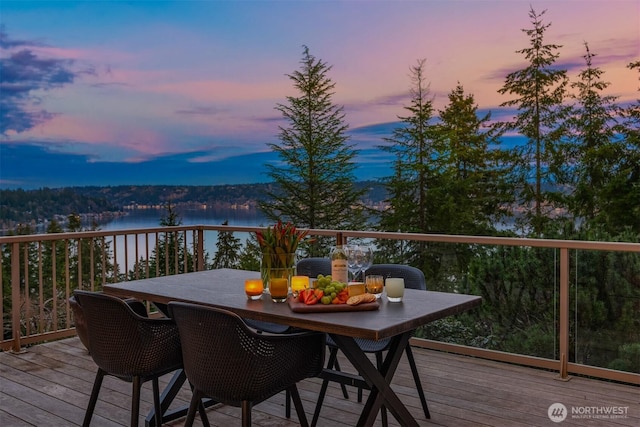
{"x":45,"y":203}
{"x":127,"y":195}
{"x":212,"y":195}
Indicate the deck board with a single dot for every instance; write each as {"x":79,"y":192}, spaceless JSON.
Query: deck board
{"x":49,"y":385}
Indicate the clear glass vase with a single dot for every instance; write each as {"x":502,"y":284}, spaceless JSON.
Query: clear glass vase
{"x":281,"y":268}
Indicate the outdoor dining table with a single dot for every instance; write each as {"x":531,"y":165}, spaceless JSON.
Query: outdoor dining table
{"x":224,"y":288}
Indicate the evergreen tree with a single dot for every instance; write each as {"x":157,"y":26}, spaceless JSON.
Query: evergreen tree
{"x":315,"y":175}
{"x":170,"y":256}
{"x":399,"y":188}
{"x":471,"y":186}
{"x":87,"y":265}
{"x":607,"y":292}
{"x":622,"y":193}
{"x":517,"y":289}
{"x":251,"y":254}
{"x":540,"y":90}
{"x":228,"y":250}
{"x":45,"y":281}
{"x":473,"y":176}
{"x":414,"y":146}
{"x":594,"y":150}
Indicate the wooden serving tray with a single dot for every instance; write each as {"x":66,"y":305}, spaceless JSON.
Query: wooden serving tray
{"x":300,"y":307}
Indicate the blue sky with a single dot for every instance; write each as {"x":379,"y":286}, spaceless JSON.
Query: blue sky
{"x":183,"y":92}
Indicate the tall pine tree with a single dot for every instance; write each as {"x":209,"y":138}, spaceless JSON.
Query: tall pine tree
{"x":170,"y":256}
{"x":228,"y":249}
{"x":594,"y":147}
{"x":415,"y":174}
{"x":315,"y":176}
{"x":540,"y":90}
{"x":623,"y":192}
{"x":473,"y":174}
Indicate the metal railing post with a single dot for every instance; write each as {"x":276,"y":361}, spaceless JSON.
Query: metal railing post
{"x":564,"y":313}
{"x":200,"y":249}
{"x":15,"y":297}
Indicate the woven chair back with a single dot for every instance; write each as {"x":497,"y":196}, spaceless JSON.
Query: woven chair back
{"x":231,"y":363}
{"x":313,"y":266}
{"x":125,"y":344}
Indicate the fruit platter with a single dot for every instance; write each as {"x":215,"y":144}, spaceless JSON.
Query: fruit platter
{"x":330,"y":296}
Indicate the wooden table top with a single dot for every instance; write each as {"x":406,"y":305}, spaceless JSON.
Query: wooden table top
{"x":224,"y":288}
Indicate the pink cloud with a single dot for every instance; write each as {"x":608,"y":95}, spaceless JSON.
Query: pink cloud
{"x":95,"y":132}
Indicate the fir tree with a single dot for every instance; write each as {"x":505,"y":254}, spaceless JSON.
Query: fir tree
{"x":473,"y":175}
{"x":315,"y":174}
{"x":540,"y":90}
{"x":414,"y":146}
{"x":227,"y":250}
{"x":171,"y":255}
{"x":623,"y":192}
{"x":251,"y":254}
{"x":594,"y":151}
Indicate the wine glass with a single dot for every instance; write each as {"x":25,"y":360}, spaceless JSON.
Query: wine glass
{"x":366,"y":259}
{"x":353,"y":260}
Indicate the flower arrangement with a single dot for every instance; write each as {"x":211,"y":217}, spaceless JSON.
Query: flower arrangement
{"x":279,"y":244}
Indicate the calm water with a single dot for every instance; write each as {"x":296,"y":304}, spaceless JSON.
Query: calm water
{"x":143,"y":218}
{"x":148,"y":218}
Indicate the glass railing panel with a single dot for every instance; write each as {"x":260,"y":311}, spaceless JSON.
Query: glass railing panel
{"x":605,"y":309}
{"x":519,"y":287}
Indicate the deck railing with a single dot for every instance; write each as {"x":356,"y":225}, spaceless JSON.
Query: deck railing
{"x":40,"y":272}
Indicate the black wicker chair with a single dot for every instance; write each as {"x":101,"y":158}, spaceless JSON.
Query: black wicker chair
{"x":79,"y":321}
{"x":128,"y":346}
{"x":272,"y":328}
{"x":313,"y":266}
{"x":413,"y":279}
{"x":232,"y":364}
{"x":81,"y":324}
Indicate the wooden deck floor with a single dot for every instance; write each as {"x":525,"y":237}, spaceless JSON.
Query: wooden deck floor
{"x":49,"y":385}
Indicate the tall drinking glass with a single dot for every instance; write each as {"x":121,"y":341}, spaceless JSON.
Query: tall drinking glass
{"x":354,"y":260}
{"x":366,"y":253}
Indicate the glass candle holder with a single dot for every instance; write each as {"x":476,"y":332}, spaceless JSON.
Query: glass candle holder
{"x":395,"y":289}
{"x":299,"y":283}
{"x":374,"y":285}
{"x":279,"y":289}
{"x":253,"y":288}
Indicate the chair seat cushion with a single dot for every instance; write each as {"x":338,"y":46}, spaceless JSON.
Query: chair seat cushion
{"x":368,"y":346}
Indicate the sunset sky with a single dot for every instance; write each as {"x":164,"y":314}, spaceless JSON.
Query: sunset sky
{"x":183,"y":92}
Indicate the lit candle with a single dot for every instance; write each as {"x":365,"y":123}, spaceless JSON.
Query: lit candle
{"x":253,"y":288}
{"x":298,"y":283}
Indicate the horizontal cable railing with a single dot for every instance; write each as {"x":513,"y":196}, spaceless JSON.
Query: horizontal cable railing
{"x":40,"y":272}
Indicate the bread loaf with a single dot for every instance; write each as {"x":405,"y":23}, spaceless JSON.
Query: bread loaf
{"x":362,"y":298}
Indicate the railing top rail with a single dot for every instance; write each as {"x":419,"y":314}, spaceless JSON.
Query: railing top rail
{"x":97,"y":233}
{"x":500,"y":241}
{"x":442,"y":238}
